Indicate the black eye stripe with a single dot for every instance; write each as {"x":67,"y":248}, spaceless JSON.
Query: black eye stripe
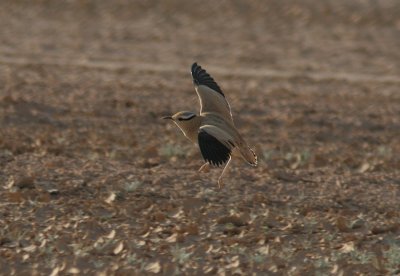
{"x":186,"y":119}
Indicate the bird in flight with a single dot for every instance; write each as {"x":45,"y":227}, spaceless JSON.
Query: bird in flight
{"x":213,"y":129}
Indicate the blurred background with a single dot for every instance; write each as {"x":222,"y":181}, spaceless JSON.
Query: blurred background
{"x":356,"y":36}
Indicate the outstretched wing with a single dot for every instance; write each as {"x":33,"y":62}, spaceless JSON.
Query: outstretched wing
{"x":212,"y":99}
{"x":215,"y":146}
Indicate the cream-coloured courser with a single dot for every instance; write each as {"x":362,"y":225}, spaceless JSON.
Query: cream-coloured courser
{"x":213,"y":130}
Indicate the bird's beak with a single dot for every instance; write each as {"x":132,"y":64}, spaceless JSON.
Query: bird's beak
{"x":167,"y":117}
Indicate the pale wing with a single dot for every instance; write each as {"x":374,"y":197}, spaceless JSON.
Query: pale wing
{"x":215,"y":145}
{"x":210,"y":94}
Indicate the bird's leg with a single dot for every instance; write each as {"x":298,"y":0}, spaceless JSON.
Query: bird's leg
{"x":205,"y":167}
{"x":220,"y":182}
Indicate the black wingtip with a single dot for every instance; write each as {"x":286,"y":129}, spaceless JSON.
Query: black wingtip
{"x":201,"y":77}
{"x":194,"y":65}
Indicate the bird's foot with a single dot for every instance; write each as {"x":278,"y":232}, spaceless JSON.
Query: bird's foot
{"x":205,"y":168}
{"x":220,"y":184}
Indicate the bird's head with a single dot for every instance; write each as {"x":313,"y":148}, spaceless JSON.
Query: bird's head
{"x":182,"y":116}
{"x":183,"y":119}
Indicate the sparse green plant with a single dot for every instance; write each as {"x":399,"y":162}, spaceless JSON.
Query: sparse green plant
{"x":266,"y":228}
{"x":80,"y":250}
{"x":170,"y":150}
{"x":384,"y":151}
{"x":238,"y":250}
{"x":309,"y":225}
{"x":305,"y":156}
{"x":321,"y":263}
{"x":51,"y":262}
{"x":356,"y":221}
{"x":229,"y":226}
{"x":331,"y":236}
{"x":393,"y":258}
{"x":268,"y":154}
{"x":298,"y":157}
{"x":48,"y":250}
{"x":361,"y":257}
{"x":258,"y":258}
{"x":289,"y":156}
{"x":98,"y":264}
{"x":132,"y":259}
{"x":177,"y":271}
{"x":307,"y":244}
{"x":142,"y":267}
{"x":287,"y":251}
{"x":335,"y":256}
{"x":180,"y":255}
{"x":132,"y":186}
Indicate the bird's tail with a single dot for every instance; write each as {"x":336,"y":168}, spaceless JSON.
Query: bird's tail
{"x":249,"y":155}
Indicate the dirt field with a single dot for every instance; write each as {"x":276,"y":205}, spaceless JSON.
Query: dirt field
{"x":93,"y":181}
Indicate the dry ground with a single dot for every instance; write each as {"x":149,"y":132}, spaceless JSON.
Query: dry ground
{"x":92,"y":180}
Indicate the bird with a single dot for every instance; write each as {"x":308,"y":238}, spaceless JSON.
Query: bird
{"x":213,"y":129}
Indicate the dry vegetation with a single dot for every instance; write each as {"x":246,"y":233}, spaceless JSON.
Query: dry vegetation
{"x":92,"y":181}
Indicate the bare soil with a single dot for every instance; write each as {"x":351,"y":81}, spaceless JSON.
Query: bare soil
{"x":92,"y":181}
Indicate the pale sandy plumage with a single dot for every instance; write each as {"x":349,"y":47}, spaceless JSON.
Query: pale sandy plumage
{"x":213,"y":130}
